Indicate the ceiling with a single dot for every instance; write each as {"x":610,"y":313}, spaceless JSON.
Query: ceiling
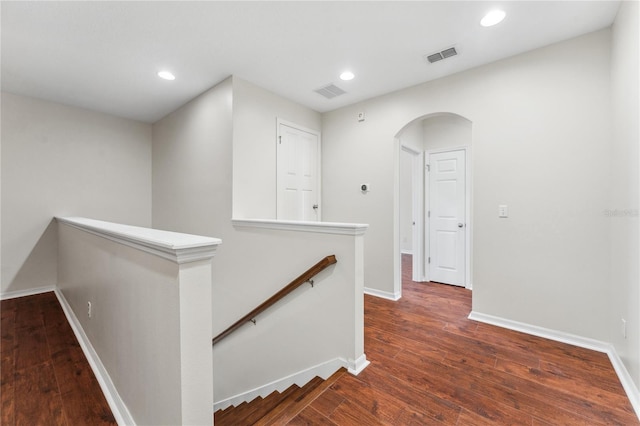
{"x":104,"y":56}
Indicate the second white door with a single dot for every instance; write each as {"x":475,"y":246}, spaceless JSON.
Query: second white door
{"x":297,"y":170}
{"x":447,"y":221}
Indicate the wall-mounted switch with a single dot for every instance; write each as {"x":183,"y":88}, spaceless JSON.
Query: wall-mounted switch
{"x":89,"y":309}
{"x":361,"y":116}
{"x":365,"y":187}
{"x":503,"y":210}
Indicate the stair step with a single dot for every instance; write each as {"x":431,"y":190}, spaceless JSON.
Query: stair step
{"x":232,"y":414}
{"x":248,"y":413}
{"x":277,"y":408}
{"x":288,"y":410}
{"x":264,"y":408}
{"x":286,"y":405}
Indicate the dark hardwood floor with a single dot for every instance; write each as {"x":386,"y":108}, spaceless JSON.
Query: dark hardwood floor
{"x":431,"y":365}
{"x":45,"y":377}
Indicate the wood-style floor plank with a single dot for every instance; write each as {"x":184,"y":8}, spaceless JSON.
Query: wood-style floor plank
{"x":310,"y":417}
{"x":45,"y":377}
{"x":31,"y":347}
{"x":379,"y":403}
{"x":327,"y":402}
{"x":38,"y":384}
{"x":350,"y":413}
{"x":422,"y":402}
{"x":7,"y":390}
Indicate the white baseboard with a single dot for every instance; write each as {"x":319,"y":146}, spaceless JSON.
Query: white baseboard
{"x":28,"y":292}
{"x":382,"y":294}
{"x":301,"y":378}
{"x":625,"y":378}
{"x":355,"y":367}
{"x":558,"y":336}
{"x":584,"y":342}
{"x":117,"y":405}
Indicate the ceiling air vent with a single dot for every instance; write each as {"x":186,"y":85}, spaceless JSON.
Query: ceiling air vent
{"x":330,"y":91}
{"x":446,"y":53}
{"x":434,"y":58}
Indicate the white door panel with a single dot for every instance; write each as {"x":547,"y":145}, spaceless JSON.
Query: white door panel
{"x":447,"y":205}
{"x":297,"y":174}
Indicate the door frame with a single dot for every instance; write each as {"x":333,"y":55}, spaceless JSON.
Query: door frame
{"x":423,"y":184}
{"x":468,"y":218}
{"x":317,"y":133}
{"x":417,"y":206}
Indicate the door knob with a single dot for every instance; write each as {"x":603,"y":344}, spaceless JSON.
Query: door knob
{"x":315,"y":207}
{"x":460,"y":225}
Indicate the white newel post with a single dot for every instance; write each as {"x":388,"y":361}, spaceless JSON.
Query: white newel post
{"x":359,"y":362}
{"x":149,"y":335}
{"x":195,"y":343}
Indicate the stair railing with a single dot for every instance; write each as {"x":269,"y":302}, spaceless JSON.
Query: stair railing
{"x":304,"y":278}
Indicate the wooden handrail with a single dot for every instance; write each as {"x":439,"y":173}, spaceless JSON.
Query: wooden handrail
{"x":306,"y":276}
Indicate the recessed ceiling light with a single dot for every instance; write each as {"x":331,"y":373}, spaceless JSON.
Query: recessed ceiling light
{"x":346,"y":76}
{"x":492,"y":18}
{"x":166,"y":75}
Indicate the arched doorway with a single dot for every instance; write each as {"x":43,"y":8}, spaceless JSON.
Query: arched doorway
{"x":440,"y":244}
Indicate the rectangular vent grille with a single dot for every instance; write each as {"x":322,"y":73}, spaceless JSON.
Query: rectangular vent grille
{"x":446,"y":53}
{"x":435,"y":57}
{"x":330,"y":91}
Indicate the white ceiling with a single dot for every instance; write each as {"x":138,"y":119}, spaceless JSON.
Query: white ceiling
{"x":104,"y":55}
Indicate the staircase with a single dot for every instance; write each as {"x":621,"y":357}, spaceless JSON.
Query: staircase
{"x":278,"y":408}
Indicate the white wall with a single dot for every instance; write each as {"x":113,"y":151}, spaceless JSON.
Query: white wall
{"x":307,"y":328}
{"x":255,"y":111}
{"x":624,"y":279}
{"x":406,"y":202}
{"x":540,"y":144}
{"x":446,"y":131}
{"x":192,"y":187}
{"x":192,"y":165}
{"x":412,"y":137}
{"x":64,"y":161}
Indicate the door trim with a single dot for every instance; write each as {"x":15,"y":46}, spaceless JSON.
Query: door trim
{"x":417,"y":200}
{"x":468,"y":221}
{"x":317,"y":133}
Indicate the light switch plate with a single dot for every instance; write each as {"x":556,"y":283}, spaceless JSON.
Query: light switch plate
{"x":503,"y":210}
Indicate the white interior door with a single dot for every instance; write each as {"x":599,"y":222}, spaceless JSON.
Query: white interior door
{"x":297,"y":170}
{"x":447,"y":217}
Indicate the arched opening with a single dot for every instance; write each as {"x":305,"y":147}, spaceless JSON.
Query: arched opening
{"x":432,"y":202}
